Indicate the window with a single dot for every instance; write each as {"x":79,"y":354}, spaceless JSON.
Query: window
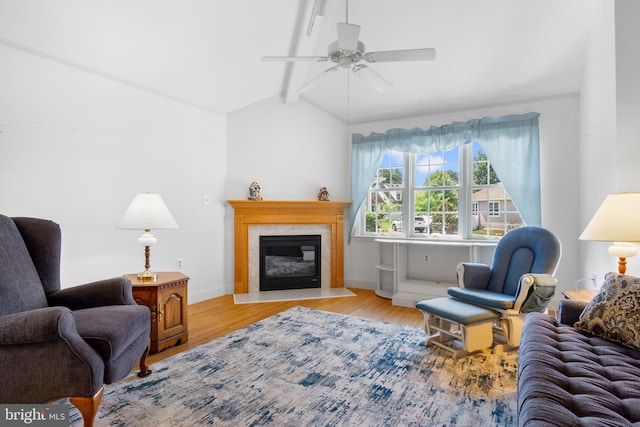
{"x":384,"y":202}
{"x":454,"y":193}
{"x":494,"y":208}
{"x":436,"y":189}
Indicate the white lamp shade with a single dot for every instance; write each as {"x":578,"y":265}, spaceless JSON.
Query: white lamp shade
{"x":616,"y":220}
{"x":147,"y":211}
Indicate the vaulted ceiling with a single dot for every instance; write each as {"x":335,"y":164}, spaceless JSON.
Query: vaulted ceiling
{"x":207,"y":53}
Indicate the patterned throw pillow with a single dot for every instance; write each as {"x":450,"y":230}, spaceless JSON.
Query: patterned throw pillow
{"x":614,"y":313}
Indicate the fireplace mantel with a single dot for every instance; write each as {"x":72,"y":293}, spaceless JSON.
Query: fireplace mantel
{"x":283,"y":212}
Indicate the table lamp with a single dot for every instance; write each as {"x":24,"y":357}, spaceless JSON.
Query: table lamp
{"x":617,"y":220}
{"x":146,"y":212}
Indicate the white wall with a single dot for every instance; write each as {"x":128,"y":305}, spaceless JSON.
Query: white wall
{"x":609,"y":122}
{"x":559,"y":143}
{"x":627,"y":94}
{"x":627,"y":107}
{"x":76,"y":147}
{"x":292,"y":150}
{"x":598,"y":134}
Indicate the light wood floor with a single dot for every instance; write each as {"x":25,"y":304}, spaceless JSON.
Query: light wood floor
{"x":219,"y":316}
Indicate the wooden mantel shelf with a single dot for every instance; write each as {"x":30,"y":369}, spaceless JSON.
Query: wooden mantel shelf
{"x":262,"y":205}
{"x":285,"y":212}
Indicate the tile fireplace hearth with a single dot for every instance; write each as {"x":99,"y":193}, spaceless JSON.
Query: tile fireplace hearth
{"x":254,"y":217}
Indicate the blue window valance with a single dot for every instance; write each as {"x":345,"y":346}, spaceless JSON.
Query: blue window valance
{"x":511,"y":144}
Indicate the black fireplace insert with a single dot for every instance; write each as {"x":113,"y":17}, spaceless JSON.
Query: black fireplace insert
{"x":290,"y":262}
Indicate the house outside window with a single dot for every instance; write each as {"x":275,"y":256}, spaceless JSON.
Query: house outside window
{"x":447,"y":194}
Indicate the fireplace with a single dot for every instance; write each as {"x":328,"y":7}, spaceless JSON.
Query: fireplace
{"x":278,"y":217}
{"x":290,"y":262}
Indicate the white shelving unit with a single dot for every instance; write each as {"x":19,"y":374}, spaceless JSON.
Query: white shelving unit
{"x":394,"y":281}
{"x":387,"y":269}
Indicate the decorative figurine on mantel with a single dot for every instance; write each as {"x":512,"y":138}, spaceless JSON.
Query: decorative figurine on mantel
{"x":323,"y":195}
{"x":254,"y":191}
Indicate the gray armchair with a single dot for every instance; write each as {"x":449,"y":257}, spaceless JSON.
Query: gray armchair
{"x":57,"y":343}
{"x":520,"y":279}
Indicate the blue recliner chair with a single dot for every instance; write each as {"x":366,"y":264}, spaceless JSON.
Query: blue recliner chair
{"x":520,"y":280}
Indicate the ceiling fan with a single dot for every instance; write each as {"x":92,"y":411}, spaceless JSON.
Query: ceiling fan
{"x":349,"y":52}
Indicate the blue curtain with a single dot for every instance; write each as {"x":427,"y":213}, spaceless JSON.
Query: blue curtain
{"x":511,"y":144}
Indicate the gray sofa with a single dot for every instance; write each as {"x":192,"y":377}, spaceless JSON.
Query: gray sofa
{"x":571,"y":378}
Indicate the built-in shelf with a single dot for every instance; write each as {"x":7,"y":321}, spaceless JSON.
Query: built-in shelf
{"x":394,"y":277}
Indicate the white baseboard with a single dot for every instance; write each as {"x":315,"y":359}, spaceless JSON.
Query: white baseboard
{"x":208,"y":294}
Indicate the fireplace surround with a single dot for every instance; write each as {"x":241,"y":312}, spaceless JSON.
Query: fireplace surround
{"x":280,"y":216}
{"x":253,"y":248}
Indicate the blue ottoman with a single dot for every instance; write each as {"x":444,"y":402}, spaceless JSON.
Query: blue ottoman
{"x":456,"y":326}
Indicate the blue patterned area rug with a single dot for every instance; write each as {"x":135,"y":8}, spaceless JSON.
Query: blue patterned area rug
{"x":305,"y":367}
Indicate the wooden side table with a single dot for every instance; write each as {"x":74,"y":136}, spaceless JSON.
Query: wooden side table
{"x":584,"y":295}
{"x":166,"y":298}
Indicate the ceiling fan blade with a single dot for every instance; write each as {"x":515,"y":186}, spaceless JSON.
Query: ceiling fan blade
{"x":426,"y":54}
{"x":317,"y":79}
{"x":373,"y":79}
{"x":348,"y":36}
{"x":294,"y":58}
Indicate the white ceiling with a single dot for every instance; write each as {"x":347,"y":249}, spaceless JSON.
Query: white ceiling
{"x":207,"y":52}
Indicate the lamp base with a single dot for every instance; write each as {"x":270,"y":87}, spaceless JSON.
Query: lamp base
{"x":147,"y":276}
{"x":622,"y":265}
{"x":623,"y":250}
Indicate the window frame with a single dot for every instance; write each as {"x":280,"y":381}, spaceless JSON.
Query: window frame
{"x":465,"y":188}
